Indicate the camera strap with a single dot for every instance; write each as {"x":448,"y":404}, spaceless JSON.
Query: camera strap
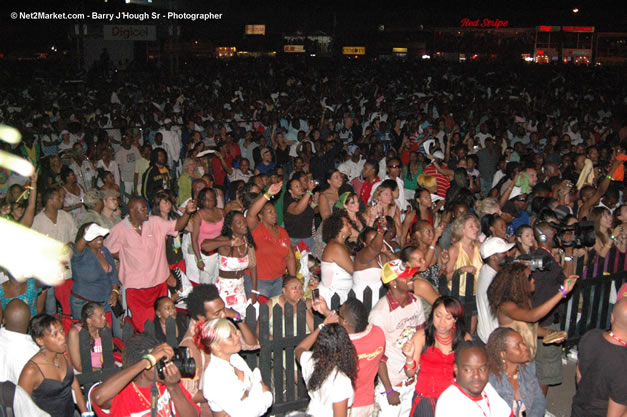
{"x":551,"y":253}
{"x":154,"y":394}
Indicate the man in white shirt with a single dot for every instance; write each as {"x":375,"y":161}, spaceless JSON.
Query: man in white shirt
{"x":82,"y":168}
{"x":126,"y":157}
{"x":471,"y":395}
{"x":172,"y":145}
{"x":352,"y":167}
{"x":492,"y":251}
{"x":16,"y":347}
{"x":398,"y":313}
{"x":393,"y":173}
{"x":53,"y":222}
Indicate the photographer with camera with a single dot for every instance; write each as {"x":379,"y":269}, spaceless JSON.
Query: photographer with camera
{"x":548,"y":281}
{"x":129,"y":391}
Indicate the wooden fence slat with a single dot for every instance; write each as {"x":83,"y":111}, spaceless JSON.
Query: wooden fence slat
{"x":277,"y":352}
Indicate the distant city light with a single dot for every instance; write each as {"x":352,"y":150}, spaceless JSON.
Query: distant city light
{"x":575,"y":10}
{"x":426,"y":56}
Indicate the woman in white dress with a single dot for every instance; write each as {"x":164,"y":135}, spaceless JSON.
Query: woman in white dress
{"x":229,"y":385}
{"x":369,"y":261}
{"x":336,"y":264}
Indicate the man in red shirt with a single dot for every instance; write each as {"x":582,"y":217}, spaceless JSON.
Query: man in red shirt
{"x":437,"y":169}
{"x":221,"y":163}
{"x":369,"y":172}
{"x":128,"y":392}
{"x":369,"y":342}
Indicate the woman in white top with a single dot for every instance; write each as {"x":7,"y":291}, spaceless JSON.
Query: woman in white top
{"x":369,"y":261}
{"x":330,"y":370}
{"x":229,"y":385}
{"x":336,"y":265}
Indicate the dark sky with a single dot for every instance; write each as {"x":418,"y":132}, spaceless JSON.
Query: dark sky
{"x":282,"y":16}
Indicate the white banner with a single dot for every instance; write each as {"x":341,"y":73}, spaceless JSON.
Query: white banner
{"x":130,"y":33}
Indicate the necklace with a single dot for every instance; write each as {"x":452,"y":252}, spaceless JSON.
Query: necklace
{"x":55,"y":362}
{"x":514,"y":375}
{"x":618,"y":339}
{"x":444,"y":340}
{"x":142,"y":396}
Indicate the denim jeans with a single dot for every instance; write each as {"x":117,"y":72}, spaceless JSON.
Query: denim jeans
{"x":77,"y":306}
{"x":270,"y":287}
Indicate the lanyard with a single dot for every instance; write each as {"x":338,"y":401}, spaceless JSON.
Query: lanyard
{"x":487,"y":400}
{"x":618,"y":339}
{"x":550,"y":253}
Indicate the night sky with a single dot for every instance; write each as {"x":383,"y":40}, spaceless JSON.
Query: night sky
{"x":348,"y":18}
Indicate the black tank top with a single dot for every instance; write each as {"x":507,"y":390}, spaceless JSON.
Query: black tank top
{"x":55,"y":397}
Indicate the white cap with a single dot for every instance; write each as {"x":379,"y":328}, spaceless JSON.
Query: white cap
{"x":438,"y":155}
{"x":167,"y":121}
{"x":493,"y":245}
{"x":95,"y":231}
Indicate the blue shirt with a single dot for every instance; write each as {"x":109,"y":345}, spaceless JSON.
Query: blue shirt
{"x":90,"y":279}
{"x":528,"y":387}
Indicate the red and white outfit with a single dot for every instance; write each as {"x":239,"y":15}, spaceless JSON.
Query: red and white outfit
{"x":394,"y":318}
{"x":370,"y":348}
{"x":454,"y":402}
{"x":232,"y":289}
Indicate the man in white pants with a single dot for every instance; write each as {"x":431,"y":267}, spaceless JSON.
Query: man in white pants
{"x":399,"y":314}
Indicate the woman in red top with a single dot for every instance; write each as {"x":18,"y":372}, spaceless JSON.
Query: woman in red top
{"x":273,"y":247}
{"x":434,"y":351}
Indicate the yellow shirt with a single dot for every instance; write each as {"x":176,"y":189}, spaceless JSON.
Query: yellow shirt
{"x":464,"y":260}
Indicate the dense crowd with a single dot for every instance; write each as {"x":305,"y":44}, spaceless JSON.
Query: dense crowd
{"x":249,"y":182}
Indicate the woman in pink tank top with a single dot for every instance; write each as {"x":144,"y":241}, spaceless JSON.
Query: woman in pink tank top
{"x":206,"y":224}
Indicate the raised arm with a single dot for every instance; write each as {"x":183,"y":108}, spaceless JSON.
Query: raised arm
{"x":370,"y":252}
{"x":536,"y":314}
{"x":29,"y":213}
{"x":257,"y":205}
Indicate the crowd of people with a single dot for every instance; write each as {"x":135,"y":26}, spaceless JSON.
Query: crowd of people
{"x":197,"y":196}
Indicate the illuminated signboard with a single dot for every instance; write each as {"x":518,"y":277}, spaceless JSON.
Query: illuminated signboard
{"x":255,"y":29}
{"x":485,"y":23}
{"x":548,"y":28}
{"x":354,"y":50}
{"x":294,"y":48}
{"x":225,"y":51}
{"x":399,"y":50}
{"x":578,"y":28}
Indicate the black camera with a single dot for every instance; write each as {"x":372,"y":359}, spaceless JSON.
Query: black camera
{"x":183,"y":360}
{"x":578,"y":235}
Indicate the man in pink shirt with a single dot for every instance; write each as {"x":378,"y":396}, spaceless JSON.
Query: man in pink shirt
{"x":139,"y":243}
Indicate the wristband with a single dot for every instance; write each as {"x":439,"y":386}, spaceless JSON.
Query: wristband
{"x":267,"y":196}
{"x":321,"y":326}
{"x":563,"y":291}
{"x":115,"y":290}
{"x":609,"y":177}
{"x":413,"y":365}
{"x":388,"y":392}
{"x":309,"y":192}
{"x":150,"y":358}
{"x":255,"y":292}
{"x":432,"y":247}
{"x":612,"y":237}
{"x":238,"y":318}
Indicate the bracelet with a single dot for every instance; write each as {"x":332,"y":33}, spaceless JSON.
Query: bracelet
{"x":267,"y":196}
{"x":609,"y":177}
{"x":150,"y":358}
{"x":115,"y":290}
{"x":612,"y":237}
{"x":431,"y":247}
{"x":392,"y":391}
{"x":238,"y":318}
{"x":321,"y":326}
{"x":413,"y":365}
{"x":563,"y":291}
{"x":309,"y":192}
{"x":255,"y":292}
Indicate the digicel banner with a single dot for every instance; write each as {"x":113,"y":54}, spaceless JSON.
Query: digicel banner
{"x":130,"y":33}
{"x":485,"y":23}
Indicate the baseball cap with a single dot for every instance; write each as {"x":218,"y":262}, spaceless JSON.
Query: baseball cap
{"x":493,"y":245}
{"x":396,"y":269}
{"x":95,"y":231}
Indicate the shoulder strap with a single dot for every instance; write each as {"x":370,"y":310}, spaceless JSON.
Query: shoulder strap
{"x":40,"y":371}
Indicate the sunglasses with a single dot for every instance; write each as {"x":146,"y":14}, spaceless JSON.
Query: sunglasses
{"x":394,"y":166}
{"x":521,"y":199}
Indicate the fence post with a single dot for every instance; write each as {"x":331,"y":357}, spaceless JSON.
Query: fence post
{"x":265,"y":353}
{"x":277,"y":352}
